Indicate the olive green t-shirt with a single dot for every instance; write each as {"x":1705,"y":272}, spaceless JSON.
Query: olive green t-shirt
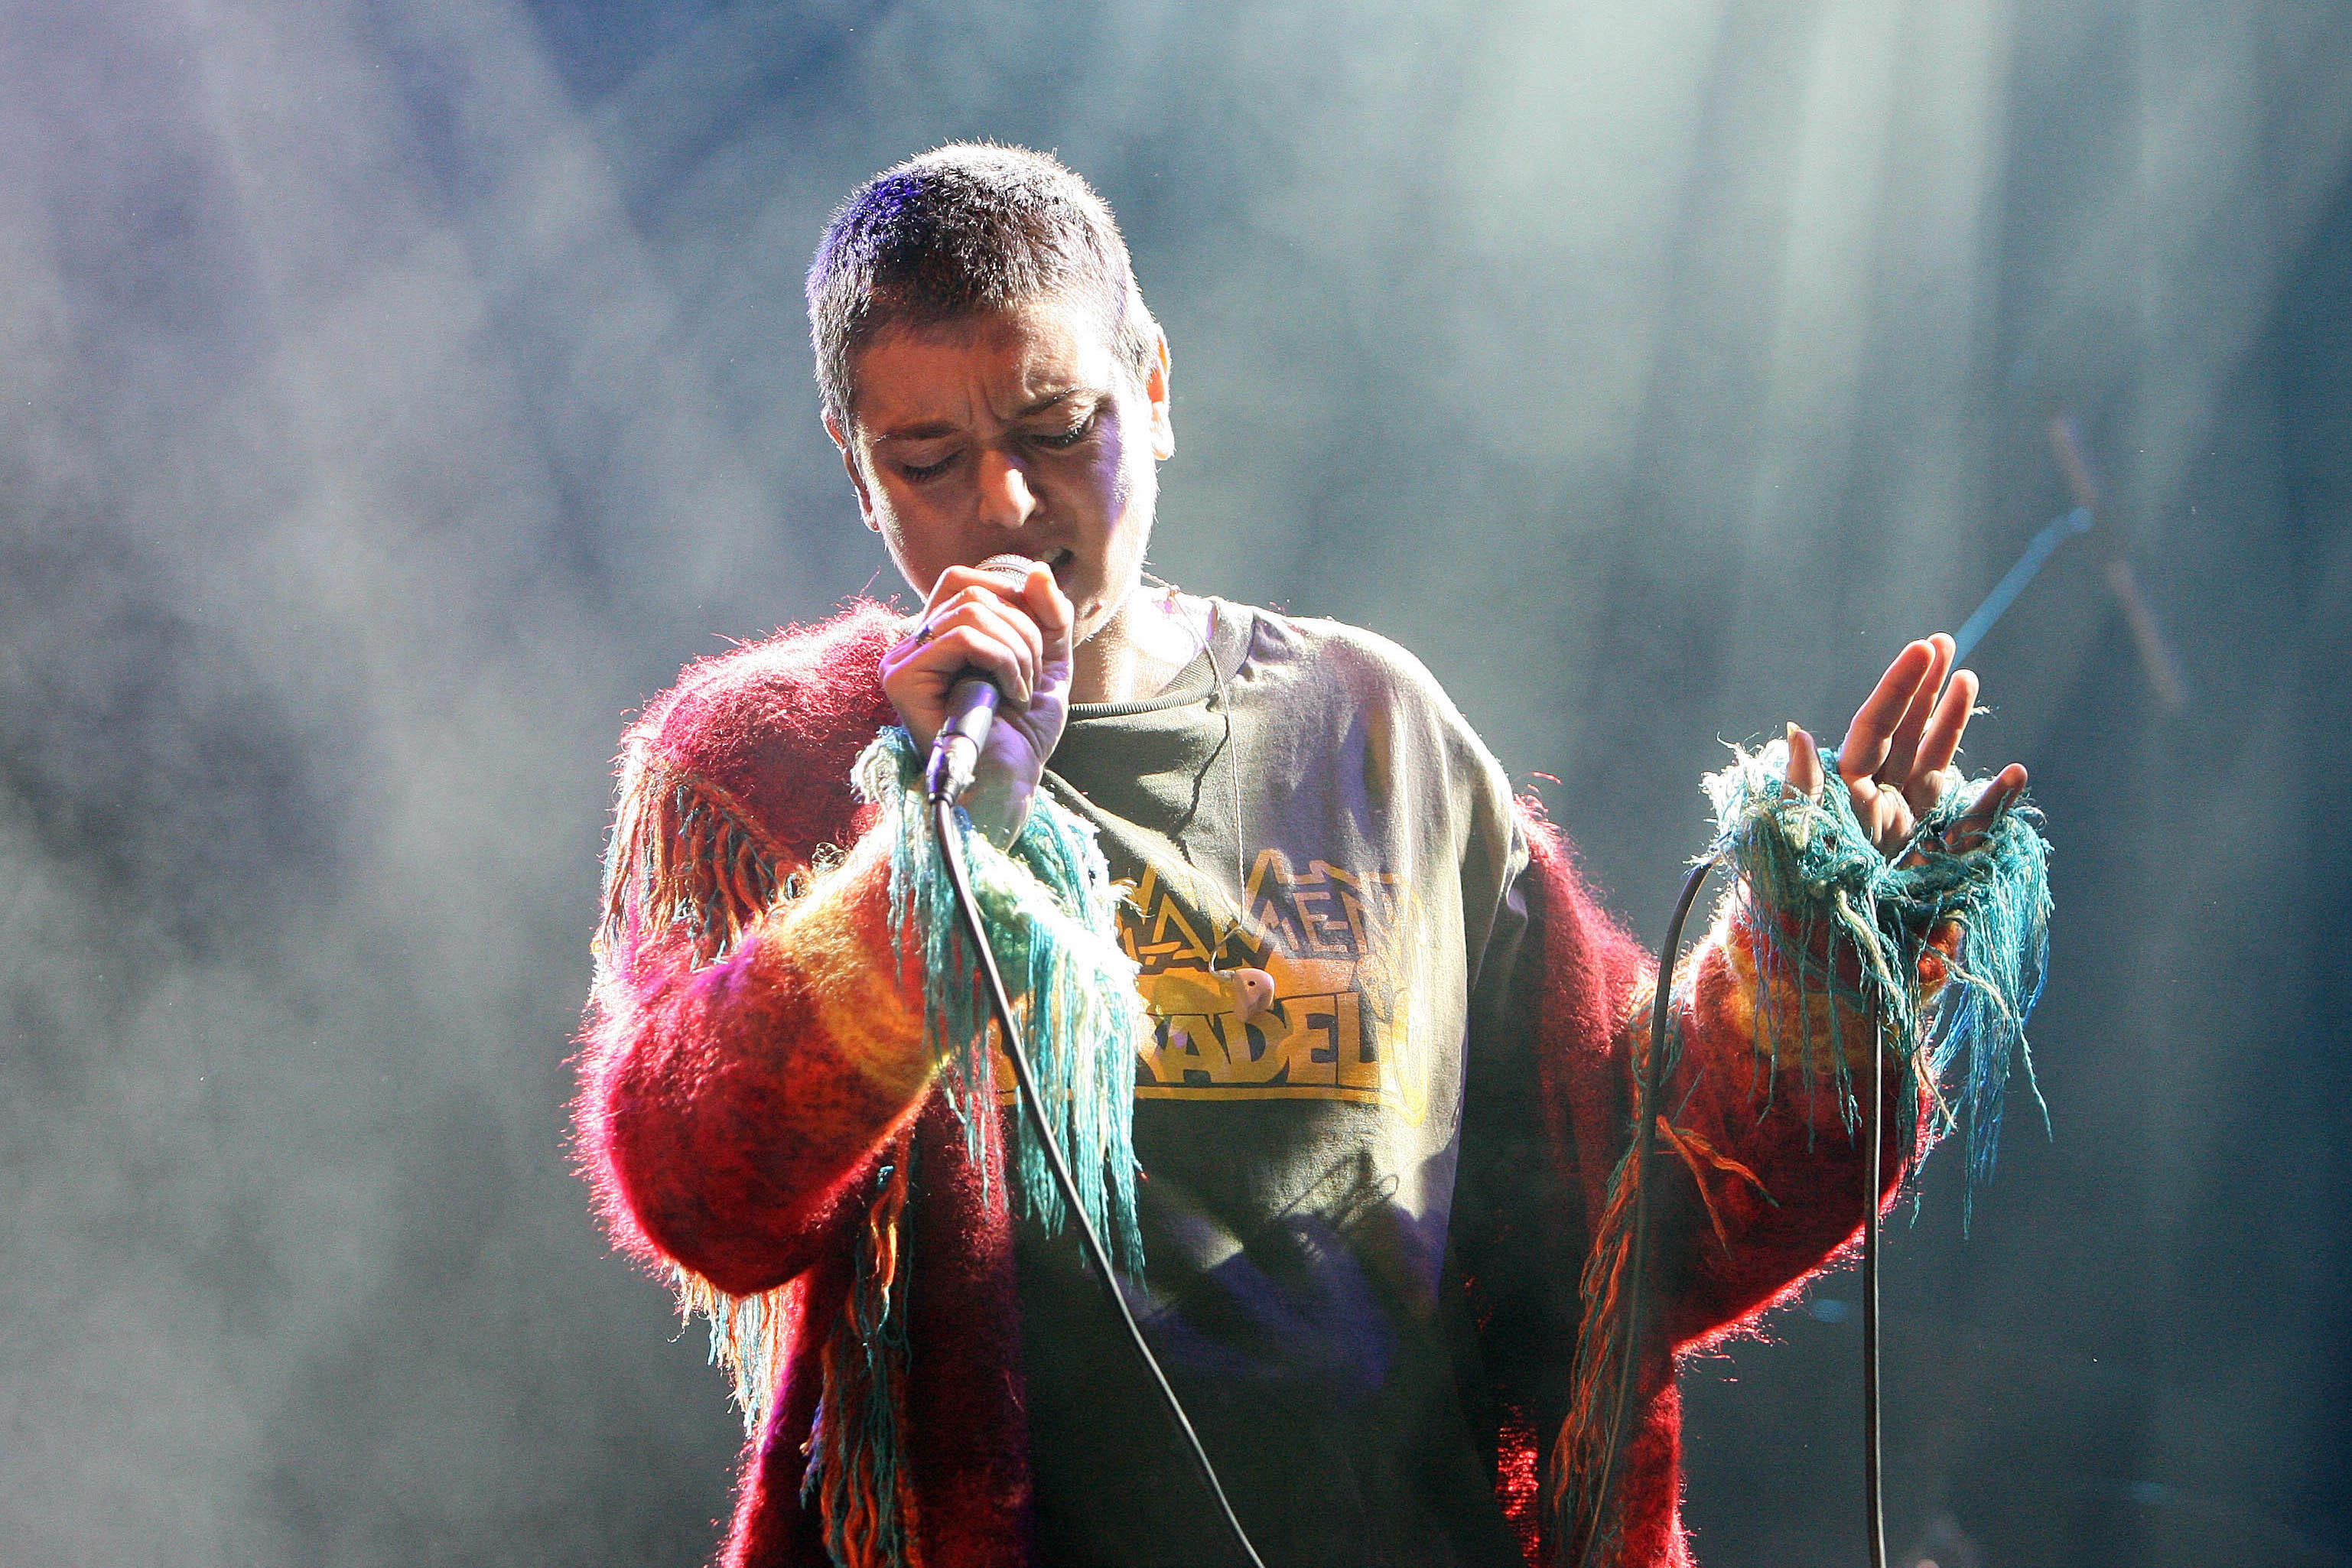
{"x":1323,"y":862}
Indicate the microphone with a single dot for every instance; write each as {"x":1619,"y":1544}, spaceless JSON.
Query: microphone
{"x":972,"y":709}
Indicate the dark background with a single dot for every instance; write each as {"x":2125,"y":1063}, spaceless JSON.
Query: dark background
{"x":395,"y":393}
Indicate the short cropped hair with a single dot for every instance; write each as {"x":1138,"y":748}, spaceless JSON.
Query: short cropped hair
{"x":968,"y":227}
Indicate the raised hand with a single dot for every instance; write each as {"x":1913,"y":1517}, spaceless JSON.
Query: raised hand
{"x":1896,"y":759}
{"x":1017,"y":629}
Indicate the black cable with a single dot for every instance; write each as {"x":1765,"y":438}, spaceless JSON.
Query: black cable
{"x":952,"y":847}
{"x":1645,"y":1142}
{"x":1872,"y":1482}
{"x":1645,"y":1145}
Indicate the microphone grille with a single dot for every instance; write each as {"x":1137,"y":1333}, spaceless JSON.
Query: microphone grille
{"x":1011,"y":563}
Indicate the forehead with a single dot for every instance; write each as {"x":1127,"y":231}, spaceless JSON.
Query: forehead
{"x":1016,"y":354}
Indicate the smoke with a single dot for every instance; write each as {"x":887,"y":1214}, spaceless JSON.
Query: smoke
{"x":394,"y":395}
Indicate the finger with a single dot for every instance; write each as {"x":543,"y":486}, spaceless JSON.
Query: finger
{"x":1011,"y":593}
{"x":1884,"y":816}
{"x":955,"y":580}
{"x":1867,"y":737}
{"x":1940,"y":743}
{"x":1969,"y":831}
{"x":1010,"y":625}
{"x":1904,"y":745}
{"x":1013,"y":616}
{"x":971,"y":581}
{"x":984,"y":593}
{"x":1804,"y":774}
{"x":991,"y":618}
{"x":947,"y":656}
{"x":1047,"y":603}
{"x":990,"y":614}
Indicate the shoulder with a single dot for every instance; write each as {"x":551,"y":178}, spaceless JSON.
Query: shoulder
{"x":1363,"y":665}
{"x":1377,"y":701}
{"x":772,"y":728}
{"x":1364,"y":677}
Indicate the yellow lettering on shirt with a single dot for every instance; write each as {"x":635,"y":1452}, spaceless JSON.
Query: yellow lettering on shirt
{"x":1338,"y":1027}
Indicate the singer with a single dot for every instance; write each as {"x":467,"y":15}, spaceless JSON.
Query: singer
{"x":1342,"y":1049}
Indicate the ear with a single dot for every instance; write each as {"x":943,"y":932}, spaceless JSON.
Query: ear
{"x":848,"y":450}
{"x":1155,"y":387}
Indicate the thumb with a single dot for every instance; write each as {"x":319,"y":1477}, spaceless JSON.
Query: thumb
{"x":1804,"y":771}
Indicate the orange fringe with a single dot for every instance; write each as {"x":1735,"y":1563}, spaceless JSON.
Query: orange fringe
{"x":850,"y":1503}
{"x":1578,"y":1456}
{"x":683,"y":851}
{"x":1696,"y":1152}
{"x":1603,"y":1289}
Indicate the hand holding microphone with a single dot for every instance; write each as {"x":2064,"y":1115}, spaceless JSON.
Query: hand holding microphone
{"x":982,"y":682}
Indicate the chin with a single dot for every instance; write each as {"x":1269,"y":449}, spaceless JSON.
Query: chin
{"x":1099,"y":607}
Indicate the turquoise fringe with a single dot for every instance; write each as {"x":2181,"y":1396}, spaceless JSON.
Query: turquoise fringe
{"x":1820,"y":894}
{"x":1051,"y":918}
{"x":1842,"y":928}
{"x":857,"y":1463}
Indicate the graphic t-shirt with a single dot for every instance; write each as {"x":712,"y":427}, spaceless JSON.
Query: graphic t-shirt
{"x":1323,"y":866}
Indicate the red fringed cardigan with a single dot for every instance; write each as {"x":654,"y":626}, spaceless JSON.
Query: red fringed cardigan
{"x":745,"y":1069}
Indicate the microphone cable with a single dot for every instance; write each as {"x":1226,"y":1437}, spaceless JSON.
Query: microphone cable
{"x":950,"y":837}
{"x":1645,"y":1142}
{"x":1644,"y":1148}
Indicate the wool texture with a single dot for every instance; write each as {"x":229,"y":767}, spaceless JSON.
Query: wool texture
{"x":786,"y":1106}
{"x":1045,"y":906}
{"x":1833,"y":950}
{"x":1046,"y":903}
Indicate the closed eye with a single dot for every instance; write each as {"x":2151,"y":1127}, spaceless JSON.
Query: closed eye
{"x":1063,"y":440}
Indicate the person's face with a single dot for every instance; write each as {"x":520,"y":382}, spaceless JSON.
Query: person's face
{"x":1017,"y":430}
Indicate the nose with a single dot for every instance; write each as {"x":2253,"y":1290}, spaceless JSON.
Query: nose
{"x":1005,"y":495}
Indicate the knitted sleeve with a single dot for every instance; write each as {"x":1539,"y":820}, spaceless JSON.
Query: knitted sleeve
{"x":751,"y":1042}
{"x":1821,"y":953}
{"x":760,"y":1026}
{"x":770,"y":1012}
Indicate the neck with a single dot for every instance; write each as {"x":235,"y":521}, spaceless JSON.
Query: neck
{"x":1152,"y":636}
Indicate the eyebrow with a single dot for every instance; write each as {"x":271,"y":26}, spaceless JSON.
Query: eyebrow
{"x":933,"y":430}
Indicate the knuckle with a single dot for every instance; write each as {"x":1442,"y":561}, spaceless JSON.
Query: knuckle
{"x":973,"y":646}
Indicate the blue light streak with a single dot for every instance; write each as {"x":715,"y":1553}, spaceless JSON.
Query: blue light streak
{"x":2006,"y":591}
